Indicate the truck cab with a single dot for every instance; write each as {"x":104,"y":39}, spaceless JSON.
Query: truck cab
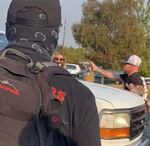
{"x":121,"y":115}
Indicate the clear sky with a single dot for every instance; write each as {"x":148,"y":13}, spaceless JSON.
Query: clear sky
{"x":71,"y":9}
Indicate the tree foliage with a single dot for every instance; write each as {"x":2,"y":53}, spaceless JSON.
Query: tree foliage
{"x":143,"y":16}
{"x":111,"y":30}
{"x":73,"y":55}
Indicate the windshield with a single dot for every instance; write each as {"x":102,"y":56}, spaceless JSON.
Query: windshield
{"x":71,"y":67}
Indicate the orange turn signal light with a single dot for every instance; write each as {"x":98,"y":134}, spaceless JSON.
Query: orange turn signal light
{"x":108,"y":133}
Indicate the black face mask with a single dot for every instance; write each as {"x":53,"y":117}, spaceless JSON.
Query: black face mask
{"x":37,"y":41}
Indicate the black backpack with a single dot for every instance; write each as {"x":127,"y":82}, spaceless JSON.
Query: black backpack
{"x":22,"y":106}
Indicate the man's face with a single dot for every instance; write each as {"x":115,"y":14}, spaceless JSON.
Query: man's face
{"x":127,"y":68}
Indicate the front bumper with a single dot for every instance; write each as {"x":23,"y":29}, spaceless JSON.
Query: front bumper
{"x":122,"y":142}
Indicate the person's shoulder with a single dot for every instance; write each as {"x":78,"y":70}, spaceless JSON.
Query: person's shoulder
{"x":80,"y":90}
{"x":136,"y":75}
{"x":70,"y":83}
{"x":83,"y":91}
{"x":137,"y":78}
{"x":55,"y":70}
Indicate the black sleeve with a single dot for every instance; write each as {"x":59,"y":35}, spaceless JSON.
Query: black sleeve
{"x":86,"y":123}
{"x":136,"y":80}
{"x":82,"y":107}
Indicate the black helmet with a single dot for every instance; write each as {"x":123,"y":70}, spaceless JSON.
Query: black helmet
{"x":50,"y":7}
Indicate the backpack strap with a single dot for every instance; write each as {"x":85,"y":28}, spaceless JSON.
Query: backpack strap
{"x":18,"y":53}
{"x":40,"y":66}
{"x":34,"y":68}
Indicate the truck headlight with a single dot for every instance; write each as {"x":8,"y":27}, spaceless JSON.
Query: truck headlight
{"x":114,"y":125}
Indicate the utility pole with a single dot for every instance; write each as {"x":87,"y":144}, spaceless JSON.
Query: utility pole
{"x":64,"y":35}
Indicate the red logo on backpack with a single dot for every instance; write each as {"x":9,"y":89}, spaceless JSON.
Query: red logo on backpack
{"x":8,"y":87}
{"x":58,"y":94}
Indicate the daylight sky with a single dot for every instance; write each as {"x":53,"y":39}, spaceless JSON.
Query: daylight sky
{"x":71,"y":9}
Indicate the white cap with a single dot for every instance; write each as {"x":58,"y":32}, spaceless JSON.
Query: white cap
{"x":134,"y":59}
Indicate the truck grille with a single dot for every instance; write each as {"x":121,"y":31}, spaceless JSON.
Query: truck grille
{"x":137,"y":121}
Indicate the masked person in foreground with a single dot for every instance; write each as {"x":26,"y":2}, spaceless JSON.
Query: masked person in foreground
{"x":41,"y":104}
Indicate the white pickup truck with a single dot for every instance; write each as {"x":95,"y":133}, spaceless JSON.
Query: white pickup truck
{"x":121,"y":114}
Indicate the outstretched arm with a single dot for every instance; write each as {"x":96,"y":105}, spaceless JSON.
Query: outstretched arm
{"x":105,"y":73}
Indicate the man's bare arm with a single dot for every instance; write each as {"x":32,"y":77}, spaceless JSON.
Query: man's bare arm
{"x":105,"y":73}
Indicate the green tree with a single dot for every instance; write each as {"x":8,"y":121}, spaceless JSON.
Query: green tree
{"x":111,"y":30}
{"x":143,"y":15}
{"x":73,"y":55}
